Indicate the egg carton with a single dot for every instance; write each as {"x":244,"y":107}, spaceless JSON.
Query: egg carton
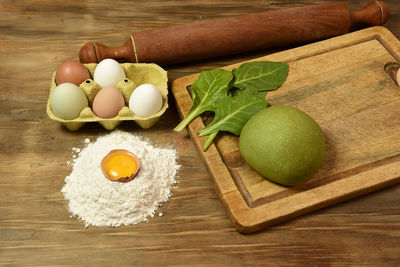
{"x":136,"y":74}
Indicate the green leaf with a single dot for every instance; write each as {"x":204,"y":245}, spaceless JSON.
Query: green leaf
{"x":234,"y":92}
{"x":233,"y":96}
{"x":206,"y":90}
{"x":260,"y":75}
{"x":232,"y":113}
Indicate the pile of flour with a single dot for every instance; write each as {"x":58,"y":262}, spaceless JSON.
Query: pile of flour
{"x":100,"y":202}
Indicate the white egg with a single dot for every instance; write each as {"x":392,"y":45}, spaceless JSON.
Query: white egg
{"x":108,"y":73}
{"x":67,"y":101}
{"x":145,"y":100}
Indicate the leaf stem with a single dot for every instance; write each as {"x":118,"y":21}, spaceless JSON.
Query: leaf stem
{"x":189,"y":117}
{"x":207,"y":130}
{"x":209,"y":140}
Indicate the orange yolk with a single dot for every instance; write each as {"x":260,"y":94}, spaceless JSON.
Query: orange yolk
{"x":120,"y":165}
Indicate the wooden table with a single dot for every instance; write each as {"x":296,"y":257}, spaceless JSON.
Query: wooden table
{"x":35,"y":226}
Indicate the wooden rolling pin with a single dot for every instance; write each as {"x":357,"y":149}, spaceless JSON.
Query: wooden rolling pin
{"x":239,"y":34}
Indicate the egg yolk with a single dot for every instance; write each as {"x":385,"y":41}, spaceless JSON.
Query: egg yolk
{"x":120,"y":166}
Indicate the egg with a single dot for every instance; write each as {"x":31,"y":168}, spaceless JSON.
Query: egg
{"x":72,"y":72}
{"x":108,"y":102}
{"x":108,"y":73}
{"x":145,"y":100}
{"x":67,"y":101}
{"x":120,"y":165}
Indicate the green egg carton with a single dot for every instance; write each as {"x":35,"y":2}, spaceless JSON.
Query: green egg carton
{"x":136,"y":74}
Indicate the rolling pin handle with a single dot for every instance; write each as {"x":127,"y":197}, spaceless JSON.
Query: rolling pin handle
{"x":375,"y":13}
{"x":96,"y":52}
{"x":87,"y":54}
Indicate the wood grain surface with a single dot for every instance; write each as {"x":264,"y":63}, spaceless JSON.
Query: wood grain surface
{"x":35,"y":227}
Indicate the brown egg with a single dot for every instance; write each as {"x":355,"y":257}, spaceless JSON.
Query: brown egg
{"x":108,"y":102}
{"x":72,"y":72}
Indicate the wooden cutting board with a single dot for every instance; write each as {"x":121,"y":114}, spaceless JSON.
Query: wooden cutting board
{"x":342,"y":84}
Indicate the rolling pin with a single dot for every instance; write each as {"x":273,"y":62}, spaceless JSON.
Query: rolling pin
{"x":226,"y":36}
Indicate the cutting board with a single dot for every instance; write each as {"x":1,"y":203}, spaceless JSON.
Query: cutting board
{"x":342,"y":84}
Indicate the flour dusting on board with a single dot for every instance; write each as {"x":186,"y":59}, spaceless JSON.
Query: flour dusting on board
{"x":100,"y":202}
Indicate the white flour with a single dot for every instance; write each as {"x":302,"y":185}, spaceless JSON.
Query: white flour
{"x":101,"y":202}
